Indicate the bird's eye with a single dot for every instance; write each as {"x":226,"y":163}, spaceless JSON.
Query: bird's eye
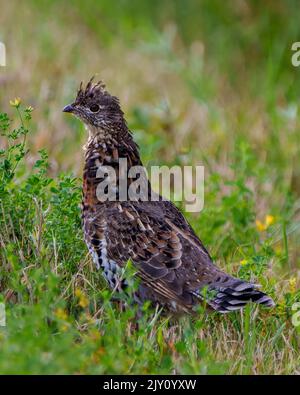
{"x":94,"y":108}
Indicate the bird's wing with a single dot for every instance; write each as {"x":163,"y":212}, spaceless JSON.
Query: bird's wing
{"x":155,"y":237}
{"x":170,"y":258}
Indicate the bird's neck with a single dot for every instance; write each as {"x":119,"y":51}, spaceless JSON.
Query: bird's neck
{"x":105,"y":150}
{"x":110,"y":146}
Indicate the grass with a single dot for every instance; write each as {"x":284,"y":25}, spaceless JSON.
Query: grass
{"x":209,"y":83}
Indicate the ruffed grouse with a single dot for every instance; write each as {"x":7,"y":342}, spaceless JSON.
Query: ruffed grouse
{"x":174,"y":268}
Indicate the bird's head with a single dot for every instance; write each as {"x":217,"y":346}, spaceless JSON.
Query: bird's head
{"x":99,"y":110}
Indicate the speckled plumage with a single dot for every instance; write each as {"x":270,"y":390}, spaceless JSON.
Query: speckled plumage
{"x":171,"y":261}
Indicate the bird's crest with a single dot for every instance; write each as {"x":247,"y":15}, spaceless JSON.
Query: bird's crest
{"x":96,"y":91}
{"x":91,"y":90}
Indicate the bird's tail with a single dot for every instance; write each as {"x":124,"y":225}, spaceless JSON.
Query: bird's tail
{"x":236,"y":295}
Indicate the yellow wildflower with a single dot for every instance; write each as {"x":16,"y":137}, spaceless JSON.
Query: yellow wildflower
{"x":269,"y":220}
{"x":61,"y":314}
{"x":244,"y":262}
{"x":292,"y":283}
{"x":83,"y":300}
{"x":16,"y":102}
{"x":260,"y":226}
{"x":64,"y":328}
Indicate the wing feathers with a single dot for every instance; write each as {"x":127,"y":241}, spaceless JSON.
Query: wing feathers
{"x":172,"y":261}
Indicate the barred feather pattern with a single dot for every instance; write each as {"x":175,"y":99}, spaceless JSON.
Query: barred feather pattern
{"x":236,"y":296}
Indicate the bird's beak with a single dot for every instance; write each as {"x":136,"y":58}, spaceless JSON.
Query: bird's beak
{"x":68,"y":108}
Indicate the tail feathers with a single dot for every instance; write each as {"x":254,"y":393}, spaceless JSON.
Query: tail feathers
{"x":236,"y":296}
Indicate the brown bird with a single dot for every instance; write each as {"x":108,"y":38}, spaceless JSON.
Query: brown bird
{"x":175,"y":269}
